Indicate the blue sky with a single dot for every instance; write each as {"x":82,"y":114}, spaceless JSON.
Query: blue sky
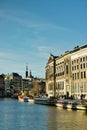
{"x":32,"y":29}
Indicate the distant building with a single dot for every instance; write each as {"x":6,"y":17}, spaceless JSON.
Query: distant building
{"x":39,"y":87}
{"x":7,"y":85}
{"x":28,"y":76}
{"x":27,"y":82}
{"x":33,"y":86}
{"x":2,"y":85}
{"x":13,"y":83}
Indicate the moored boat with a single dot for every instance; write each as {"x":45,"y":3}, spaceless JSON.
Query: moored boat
{"x":30,"y":100}
{"x":71,"y":104}
{"x":59,"y":103}
{"x":45,"y":101}
{"x":78,"y":105}
{"x":26,"y":99}
{"x":21,"y":98}
{"x":41,"y":100}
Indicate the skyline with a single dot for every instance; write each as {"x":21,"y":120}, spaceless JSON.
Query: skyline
{"x":30,"y":30}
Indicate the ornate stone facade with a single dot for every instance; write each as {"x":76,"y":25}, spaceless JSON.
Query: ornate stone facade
{"x":66,"y":75}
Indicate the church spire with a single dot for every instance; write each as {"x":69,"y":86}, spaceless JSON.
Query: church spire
{"x":26,"y":71}
{"x":30,"y":74}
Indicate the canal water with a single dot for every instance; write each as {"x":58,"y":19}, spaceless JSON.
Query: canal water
{"x":15,"y":115}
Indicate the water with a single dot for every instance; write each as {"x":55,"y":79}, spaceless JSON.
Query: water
{"x":15,"y":115}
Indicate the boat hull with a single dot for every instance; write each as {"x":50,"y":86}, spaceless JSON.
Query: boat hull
{"x":21,"y":98}
{"x":70,"y":104}
{"x":44,"y":101}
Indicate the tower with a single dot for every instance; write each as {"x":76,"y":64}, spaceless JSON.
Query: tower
{"x":30,"y":74}
{"x":26,"y":71}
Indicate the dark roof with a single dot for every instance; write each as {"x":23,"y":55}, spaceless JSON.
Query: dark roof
{"x":15,"y":74}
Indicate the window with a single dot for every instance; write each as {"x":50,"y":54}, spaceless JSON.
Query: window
{"x":86,"y":57}
{"x":83,"y":65}
{"x":72,"y":62}
{"x":77,"y":60}
{"x":77,"y":75}
{"x":66,"y":69}
{"x":73,"y":76}
{"x":80,"y":59}
{"x":83,"y":58}
{"x":77,"y":66}
{"x":86,"y":65}
{"x":81,"y":75}
{"x":84,"y":86}
{"x":84,"y":74}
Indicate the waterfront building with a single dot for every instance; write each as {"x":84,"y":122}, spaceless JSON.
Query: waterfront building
{"x":13,"y":83}
{"x":33,"y":86}
{"x":2,"y":85}
{"x":63,"y":75}
{"x":27,"y":82}
{"x":7,"y":85}
{"x":16,"y":81}
{"x":26,"y":86}
{"x":66,"y":75}
{"x":79,"y":72}
{"x":39,"y":87}
{"x":50,"y":76}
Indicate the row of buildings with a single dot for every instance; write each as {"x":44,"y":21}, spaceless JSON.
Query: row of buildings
{"x":13,"y":84}
{"x":66,"y":75}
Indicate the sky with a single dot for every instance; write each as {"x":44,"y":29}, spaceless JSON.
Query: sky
{"x":32,"y":29}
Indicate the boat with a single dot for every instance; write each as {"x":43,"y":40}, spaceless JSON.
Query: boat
{"x":26,"y":99}
{"x":45,"y":101}
{"x":30,"y":100}
{"x":39,"y":100}
{"x":21,"y":98}
{"x":78,"y":105}
{"x":71,"y":104}
{"x":59,"y":103}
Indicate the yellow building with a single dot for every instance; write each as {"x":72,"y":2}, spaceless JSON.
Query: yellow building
{"x":50,"y":76}
{"x":63,"y":75}
{"x":66,"y":75}
{"x":79,"y":71}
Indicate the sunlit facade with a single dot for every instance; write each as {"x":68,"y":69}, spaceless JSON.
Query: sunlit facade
{"x":50,"y":76}
{"x":63,"y":75}
{"x":66,"y":75}
{"x":79,"y":72}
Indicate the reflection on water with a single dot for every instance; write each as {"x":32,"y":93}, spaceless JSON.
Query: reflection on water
{"x":15,"y":115}
{"x":62,"y":119}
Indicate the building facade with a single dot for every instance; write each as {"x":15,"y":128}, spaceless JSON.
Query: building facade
{"x":66,"y":76}
{"x":2,"y":85}
{"x":79,"y":72}
{"x":63,"y":75}
{"x":50,"y":76}
{"x":13,"y":83}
